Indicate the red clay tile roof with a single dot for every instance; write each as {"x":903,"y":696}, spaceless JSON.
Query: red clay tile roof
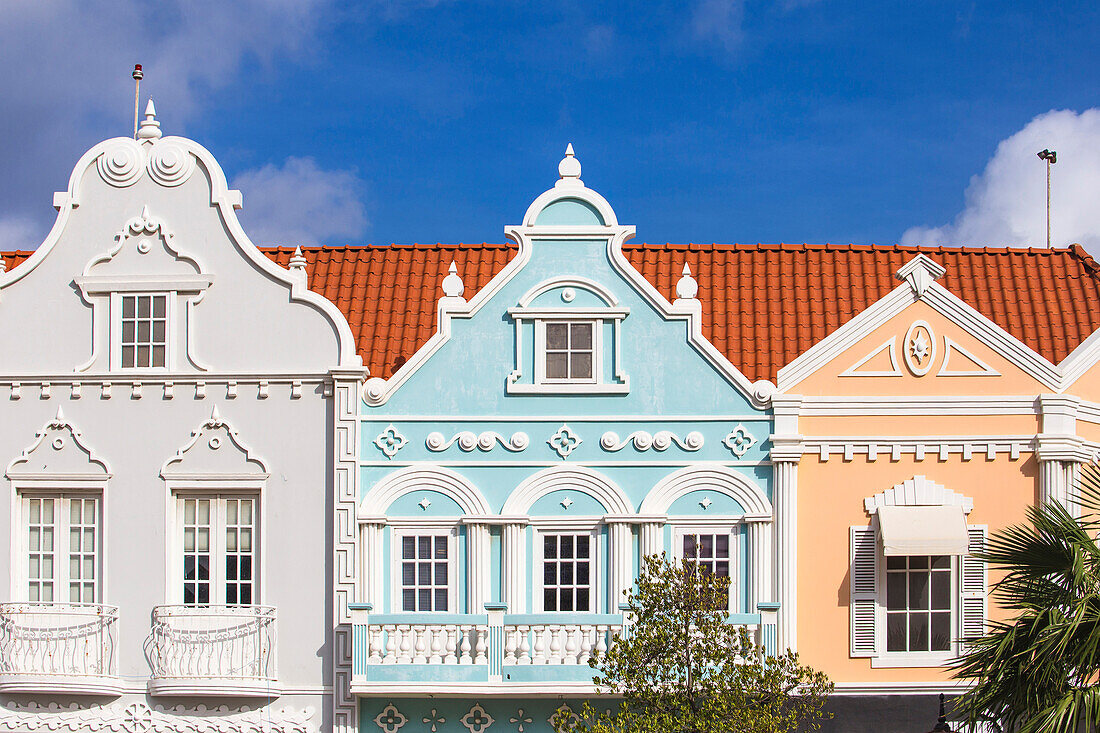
{"x":763,"y":305}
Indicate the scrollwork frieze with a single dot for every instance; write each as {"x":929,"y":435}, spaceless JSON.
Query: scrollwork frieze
{"x":485,"y":441}
{"x":662,"y":440}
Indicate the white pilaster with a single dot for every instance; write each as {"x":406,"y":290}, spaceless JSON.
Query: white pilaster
{"x":621,"y":562}
{"x":785,"y":454}
{"x":760,"y":563}
{"x":652,"y":538}
{"x":514,"y":566}
{"x":477,"y":567}
{"x":1059,"y":449}
{"x":370,"y":560}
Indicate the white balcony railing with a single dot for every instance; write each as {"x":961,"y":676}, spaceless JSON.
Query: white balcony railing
{"x":226,"y":650}
{"x":58,"y":647}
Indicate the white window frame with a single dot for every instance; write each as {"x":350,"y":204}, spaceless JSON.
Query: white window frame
{"x":116,"y":330}
{"x":450,"y":528}
{"x":541,"y":355}
{"x":888,"y":659}
{"x":733,"y":530}
{"x":21,"y":551}
{"x":596,"y":554}
{"x":217,"y":575}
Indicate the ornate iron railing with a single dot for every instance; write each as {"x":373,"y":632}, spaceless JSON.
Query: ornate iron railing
{"x":211,"y":643}
{"x":58,"y":640}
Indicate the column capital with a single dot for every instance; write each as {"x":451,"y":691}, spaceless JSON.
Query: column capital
{"x":786,"y":448}
{"x":1061,"y":447}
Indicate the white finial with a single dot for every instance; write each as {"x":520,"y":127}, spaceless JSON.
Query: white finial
{"x":569,"y":169}
{"x":215,"y":416}
{"x":298,"y":260}
{"x":145,"y":212}
{"x":686,"y":288}
{"x":453,"y":287}
{"x":920,"y":272}
{"x":150,"y":127}
{"x":60,"y":415}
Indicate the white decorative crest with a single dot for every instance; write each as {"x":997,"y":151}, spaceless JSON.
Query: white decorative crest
{"x":520,"y":719}
{"x":390,"y":720}
{"x":705,"y":503}
{"x":424,"y":503}
{"x":920,"y":348}
{"x":660,"y":441}
{"x":137,"y":717}
{"x":144,"y":248}
{"x":566,"y":502}
{"x":920,"y":272}
{"x":860,"y":368}
{"x":434,"y":719}
{"x":390,"y":440}
{"x":564,"y":442}
{"x":486,"y":441}
{"x":453,"y":286}
{"x":214,"y":449}
{"x":58,"y":449}
{"x":569,"y":169}
{"x":477,"y":720}
{"x":686,"y":288}
{"x":918,"y":491}
{"x":739,"y":440}
{"x":971,"y":365}
{"x":167,"y":162}
{"x":150,"y":127}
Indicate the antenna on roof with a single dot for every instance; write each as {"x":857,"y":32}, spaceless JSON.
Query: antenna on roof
{"x":1051,"y":157}
{"x":137,"y":89}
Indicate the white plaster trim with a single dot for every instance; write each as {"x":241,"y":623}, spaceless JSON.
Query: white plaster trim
{"x":576,"y":191}
{"x":583,"y":283}
{"x":579,"y":478}
{"x":951,"y":346}
{"x":942,"y":301}
{"x":420,"y":477}
{"x":214,"y":422}
{"x":918,"y":491}
{"x":221,"y":196}
{"x":902,"y":688}
{"x":708,"y":477}
{"x":59,"y":422}
{"x":895,"y":371}
{"x":861,"y":406}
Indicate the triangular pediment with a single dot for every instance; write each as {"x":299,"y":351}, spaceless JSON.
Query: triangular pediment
{"x":58,"y":450}
{"x":214,"y":451}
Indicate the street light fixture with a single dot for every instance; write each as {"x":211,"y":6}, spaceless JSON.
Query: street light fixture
{"x":1051,"y":157}
{"x":941,"y":724}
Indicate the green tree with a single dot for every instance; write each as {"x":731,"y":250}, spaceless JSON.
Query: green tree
{"x":1040,"y":671}
{"x":683,"y":669}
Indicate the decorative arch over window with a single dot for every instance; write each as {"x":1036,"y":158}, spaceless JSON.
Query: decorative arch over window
{"x":710,"y":478}
{"x":432,"y":478}
{"x":568,"y":339}
{"x":578,"y":478}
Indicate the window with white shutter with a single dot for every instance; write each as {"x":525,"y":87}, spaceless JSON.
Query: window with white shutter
{"x":864,"y":574}
{"x":973,"y":589}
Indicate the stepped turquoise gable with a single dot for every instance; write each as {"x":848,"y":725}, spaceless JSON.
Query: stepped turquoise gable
{"x":559,"y":426}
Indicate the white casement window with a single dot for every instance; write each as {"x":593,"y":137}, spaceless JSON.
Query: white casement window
{"x":713,"y":550}
{"x":218,"y":550}
{"x":62,"y":548}
{"x":568,"y":571}
{"x":425,"y":560}
{"x":569,"y":353}
{"x":141,"y":331}
{"x":914,"y":610}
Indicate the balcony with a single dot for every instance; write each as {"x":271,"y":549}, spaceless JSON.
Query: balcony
{"x":59,"y":648}
{"x":213,"y":650}
{"x":491,"y":653}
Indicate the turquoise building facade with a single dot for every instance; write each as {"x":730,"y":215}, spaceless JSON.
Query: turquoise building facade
{"x":560,"y":425}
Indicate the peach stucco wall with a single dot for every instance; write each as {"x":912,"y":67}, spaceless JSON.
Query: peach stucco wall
{"x":830,"y":500}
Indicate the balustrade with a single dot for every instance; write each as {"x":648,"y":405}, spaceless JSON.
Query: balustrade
{"x":58,"y":646}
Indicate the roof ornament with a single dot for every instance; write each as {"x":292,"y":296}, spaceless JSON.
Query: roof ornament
{"x":920,"y":272}
{"x":453,"y":287}
{"x":687,"y":287}
{"x":569,"y":169}
{"x":150,"y":127}
{"x":3,"y":265}
{"x":298,"y":264}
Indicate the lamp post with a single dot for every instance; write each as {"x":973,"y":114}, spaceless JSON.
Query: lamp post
{"x":941,"y":724}
{"x":1051,"y":157}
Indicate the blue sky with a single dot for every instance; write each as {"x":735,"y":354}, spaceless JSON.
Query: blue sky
{"x":711,"y":120}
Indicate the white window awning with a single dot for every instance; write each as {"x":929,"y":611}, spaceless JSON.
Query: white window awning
{"x":923,"y":530}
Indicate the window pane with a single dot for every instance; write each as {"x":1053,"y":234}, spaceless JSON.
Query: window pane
{"x":918,"y":590}
{"x":549,"y":573}
{"x":582,"y":546}
{"x":567,"y":573}
{"x":549,"y":546}
{"x":128,"y":356}
{"x":918,"y":632}
{"x":582,"y":600}
{"x":565,"y":599}
{"x":895,"y":562}
{"x":144,"y":330}
{"x":918,"y":561}
{"x":582,"y":573}
{"x":408,"y":573}
{"x":689,"y":546}
{"x":896,"y":633}
{"x":230,"y":568}
{"x":941,"y":590}
{"x":941,"y":562}
{"x":160,"y":304}
{"x":424,"y":547}
{"x":580,"y":366}
{"x":440,"y":599}
{"x":722,"y":569}
{"x":246,"y":595}
{"x":424,"y":573}
{"x":128,"y":331}
{"x":128,"y":306}
{"x":408,"y":600}
{"x":143,"y":306}
{"x":441,"y":573}
{"x":706,"y":545}
{"x":204,"y":593}
{"x":408,"y":548}
{"x":557,"y":336}
{"x":424,"y":599}
{"x":722,"y":545}
{"x":895,"y":591}
{"x":566,"y":551}
{"x":557,"y":365}
{"x":441,"y":548}
{"x":550,"y":600}
{"x":941,"y":632}
{"x":580,"y":336}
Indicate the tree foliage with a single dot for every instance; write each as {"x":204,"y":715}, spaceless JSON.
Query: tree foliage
{"x":682,"y":668}
{"x":1040,"y":672}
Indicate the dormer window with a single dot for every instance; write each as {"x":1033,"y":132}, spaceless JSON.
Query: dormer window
{"x":144,"y":331}
{"x":570,"y":351}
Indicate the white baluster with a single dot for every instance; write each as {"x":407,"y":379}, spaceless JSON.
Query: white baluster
{"x":540,"y":644}
{"x":555,"y":645}
{"x":465,"y":648}
{"x":420,"y":656}
{"x":391,"y":644}
{"x":511,"y":643}
{"x":480,"y":645}
{"x":450,"y":654}
{"x":374,"y":643}
{"x":436,"y":636}
{"x":601,"y":640}
{"x":571,"y":645}
{"x":587,"y":642}
{"x":407,"y":639}
{"x":523,"y":653}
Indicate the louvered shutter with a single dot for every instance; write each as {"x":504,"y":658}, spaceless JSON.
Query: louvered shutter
{"x":973,"y":589}
{"x":864,"y":573}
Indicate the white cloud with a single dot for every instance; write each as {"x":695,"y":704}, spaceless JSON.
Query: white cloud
{"x":301,"y":204}
{"x":719,"y":22}
{"x":19,"y":233}
{"x":1006,"y":203}
{"x":67,"y":65}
